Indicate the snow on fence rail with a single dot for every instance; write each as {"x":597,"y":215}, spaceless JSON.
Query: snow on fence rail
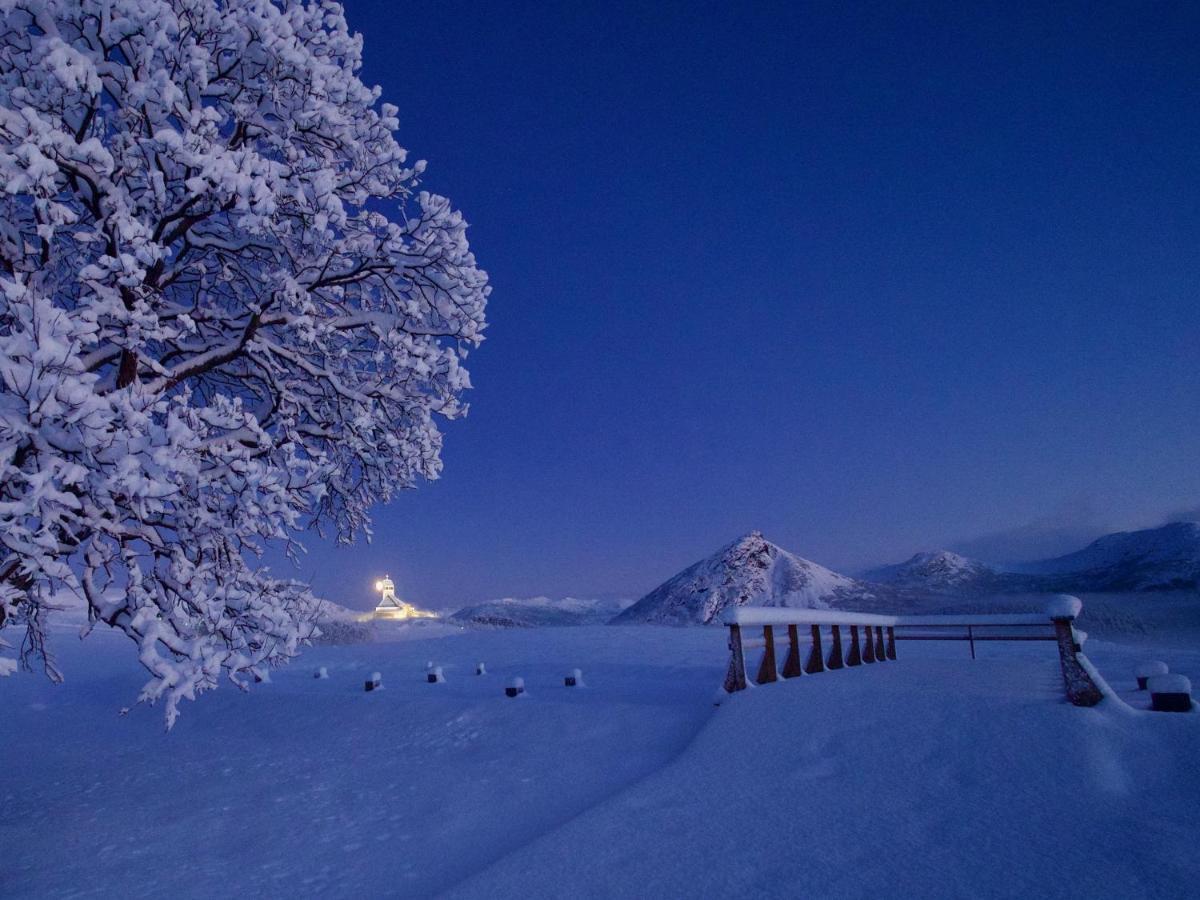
{"x":872,"y":638}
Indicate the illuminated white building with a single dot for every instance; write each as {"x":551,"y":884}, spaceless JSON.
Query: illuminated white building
{"x":392,"y":607}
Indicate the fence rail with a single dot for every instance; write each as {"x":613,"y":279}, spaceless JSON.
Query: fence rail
{"x":872,"y":639}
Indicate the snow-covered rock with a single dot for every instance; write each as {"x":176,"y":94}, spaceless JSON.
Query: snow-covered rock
{"x":937,"y":570}
{"x":1166,"y":558}
{"x":1151,"y":668}
{"x":749,"y":572}
{"x":1169,"y":684}
{"x":536,"y":612}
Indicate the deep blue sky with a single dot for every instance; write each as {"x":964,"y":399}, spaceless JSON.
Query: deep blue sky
{"x":872,"y":279}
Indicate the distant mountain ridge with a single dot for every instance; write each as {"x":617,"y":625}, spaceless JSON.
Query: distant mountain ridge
{"x":536,"y":612}
{"x":1153,"y":559}
{"x":751,"y":571}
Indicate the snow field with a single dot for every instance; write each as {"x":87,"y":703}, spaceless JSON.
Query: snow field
{"x":314,"y":787}
{"x":929,"y":776}
{"x":933,"y":776}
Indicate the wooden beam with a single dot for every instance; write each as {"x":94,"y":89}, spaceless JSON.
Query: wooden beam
{"x":855,"y":657}
{"x":791,"y":666}
{"x":816,"y":661}
{"x":766,"y":669}
{"x":835,"y":651}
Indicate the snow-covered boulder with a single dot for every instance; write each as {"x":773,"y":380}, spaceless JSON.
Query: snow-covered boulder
{"x":1170,"y":693}
{"x":1149,"y":669}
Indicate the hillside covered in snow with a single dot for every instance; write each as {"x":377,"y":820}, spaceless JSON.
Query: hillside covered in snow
{"x":749,"y":572}
{"x":1154,"y":559}
{"x":534,"y":612}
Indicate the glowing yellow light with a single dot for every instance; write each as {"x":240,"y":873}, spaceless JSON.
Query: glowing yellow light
{"x":392,"y":607}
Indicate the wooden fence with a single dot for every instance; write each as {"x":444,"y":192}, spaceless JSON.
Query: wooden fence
{"x":856,"y":639}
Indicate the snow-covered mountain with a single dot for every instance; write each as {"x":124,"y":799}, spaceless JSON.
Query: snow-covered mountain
{"x":749,"y":572}
{"x":938,"y":570}
{"x":1166,"y":558}
{"x":536,"y":612}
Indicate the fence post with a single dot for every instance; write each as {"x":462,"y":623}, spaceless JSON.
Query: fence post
{"x":891,"y":642}
{"x":880,"y":653}
{"x":855,"y":657}
{"x":835,"y":651}
{"x":1081,"y":690}
{"x":766,"y":669}
{"x":735,"y":678}
{"x":816,"y":660}
{"x":791,"y":666}
{"x":868,"y":654}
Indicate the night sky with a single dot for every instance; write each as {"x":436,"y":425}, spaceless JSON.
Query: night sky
{"x":870,"y":278}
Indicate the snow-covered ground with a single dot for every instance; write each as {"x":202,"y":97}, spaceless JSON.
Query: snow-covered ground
{"x":930,"y":776}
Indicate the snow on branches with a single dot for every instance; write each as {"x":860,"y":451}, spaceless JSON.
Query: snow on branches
{"x":227,"y":312}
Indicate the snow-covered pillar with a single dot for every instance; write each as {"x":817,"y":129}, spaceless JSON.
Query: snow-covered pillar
{"x":1081,"y":690}
{"x":791,"y":666}
{"x":891,"y":642}
{"x":880,"y":653}
{"x":855,"y":657}
{"x":816,"y":660}
{"x":835,"y":649}
{"x":1148,"y":670}
{"x":766,"y":669}
{"x":1170,"y":693}
{"x":735,"y":678}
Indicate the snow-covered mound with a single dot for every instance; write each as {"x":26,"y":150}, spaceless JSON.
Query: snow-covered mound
{"x":1155,"y":559}
{"x":538,"y":612}
{"x":939,"y":570}
{"x":749,"y":572}
{"x":338,"y":625}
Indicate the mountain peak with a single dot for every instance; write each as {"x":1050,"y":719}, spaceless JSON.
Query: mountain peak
{"x":933,"y":570}
{"x":750,"y":571}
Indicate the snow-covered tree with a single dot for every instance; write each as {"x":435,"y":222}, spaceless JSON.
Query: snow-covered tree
{"x":227,"y":313}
